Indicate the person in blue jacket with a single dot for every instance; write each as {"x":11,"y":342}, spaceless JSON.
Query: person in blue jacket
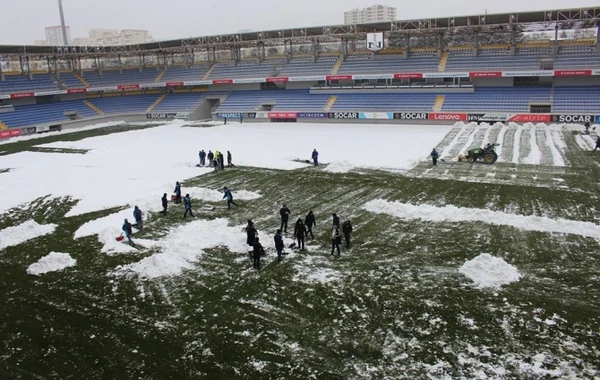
{"x":187,"y":202}
{"x":434,"y":156}
{"x":177,"y":192}
{"x":202,"y":155}
{"x":315,"y":157}
{"x":127,"y":229}
{"x":229,"y":197}
{"x":137,"y":214}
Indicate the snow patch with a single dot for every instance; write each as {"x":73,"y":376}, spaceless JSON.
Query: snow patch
{"x":53,"y":262}
{"x":109,"y":227}
{"x":24,"y":232}
{"x":458,"y":214}
{"x":488,"y":271}
{"x":182,"y":248}
{"x":339,"y":167}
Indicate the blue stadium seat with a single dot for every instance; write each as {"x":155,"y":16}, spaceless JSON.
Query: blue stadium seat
{"x":20,"y":83}
{"x":44,"y":113}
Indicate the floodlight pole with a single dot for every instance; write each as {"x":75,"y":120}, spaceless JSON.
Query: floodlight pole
{"x":62,"y":23}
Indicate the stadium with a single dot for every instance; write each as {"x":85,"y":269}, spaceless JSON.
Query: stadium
{"x":451,"y":69}
{"x":461,"y":150}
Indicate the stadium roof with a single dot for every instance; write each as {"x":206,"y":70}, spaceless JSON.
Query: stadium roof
{"x":276,"y":37}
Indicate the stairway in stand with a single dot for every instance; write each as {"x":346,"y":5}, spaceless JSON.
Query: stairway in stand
{"x":330,"y":103}
{"x":207,"y":73}
{"x":81,"y":79}
{"x":92,"y":106}
{"x":443,"y":61}
{"x":160,"y":75}
{"x":156,"y":102}
{"x":439,"y":103}
{"x":337,"y":65}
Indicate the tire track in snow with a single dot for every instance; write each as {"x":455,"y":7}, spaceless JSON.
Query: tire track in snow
{"x":465,"y":148}
{"x":517,"y":144}
{"x":557,"y":159}
{"x":500,"y":140}
{"x":451,"y":147}
{"x":534,"y":156}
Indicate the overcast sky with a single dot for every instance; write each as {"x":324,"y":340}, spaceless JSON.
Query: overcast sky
{"x":23,"y":21}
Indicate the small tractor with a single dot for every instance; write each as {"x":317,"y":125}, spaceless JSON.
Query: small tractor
{"x":488,"y":153}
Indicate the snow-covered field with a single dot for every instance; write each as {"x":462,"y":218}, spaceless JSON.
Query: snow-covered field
{"x":126,"y":168}
{"x":441,"y":281}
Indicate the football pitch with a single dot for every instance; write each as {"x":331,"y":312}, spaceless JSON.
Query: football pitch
{"x":186,"y":304}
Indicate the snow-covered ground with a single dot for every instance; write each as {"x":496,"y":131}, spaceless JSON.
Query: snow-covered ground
{"x":24,"y":232}
{"x":124,"y":167}
{"x":53,"y":262}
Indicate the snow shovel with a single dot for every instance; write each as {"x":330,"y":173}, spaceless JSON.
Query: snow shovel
{"x":120,"y":238}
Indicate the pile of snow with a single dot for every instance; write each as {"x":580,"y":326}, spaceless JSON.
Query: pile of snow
{"x":339,"y":167}
{"x":55,"y":261}
{"x":110,"y":226}
{"x":122,"y":167}
{"x":184,"y":246}
{"x":488,"y":271}
{"x":29,"y":230}
{"x":460,"y":214}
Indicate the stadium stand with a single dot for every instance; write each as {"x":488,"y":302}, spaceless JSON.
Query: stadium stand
{"x":576,"y":57}
{"x":577,"y":99}
{"x":20,"y":83}
{"x":180,"y":102}
{"x":246,"y":69}
{"x":182,"y":73}
{"x":360,"y":64}
{"x":113,"y":77}
{"x":280,"y":100}
{"x":44,"y":113}
{"x":70,"y":80}
{"x":306,"y":66}
{"x":124,"y":104}
{"x":493,"y":59}
{"x":508,"y":99}
{"x":385,"y":102}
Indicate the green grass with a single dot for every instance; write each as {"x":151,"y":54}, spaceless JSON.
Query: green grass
{"x":396,"y":307}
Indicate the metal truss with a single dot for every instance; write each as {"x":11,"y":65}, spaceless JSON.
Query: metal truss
{"x":486,"y":23}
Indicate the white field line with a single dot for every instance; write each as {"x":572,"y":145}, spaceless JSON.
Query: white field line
{"x":455,"y":214}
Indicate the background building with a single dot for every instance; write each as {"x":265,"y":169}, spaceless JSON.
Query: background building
{"x":97,"y":34}
{"x":97,"y":37}
{"x":376,"y":13}
{"x":54,"y":35}
{"x":133,"y":36}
